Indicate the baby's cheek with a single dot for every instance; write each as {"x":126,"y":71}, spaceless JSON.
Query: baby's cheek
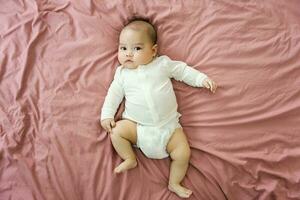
{"x":120,"y":58}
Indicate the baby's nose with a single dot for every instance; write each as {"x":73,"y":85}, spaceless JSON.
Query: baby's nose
{"x":129,"y":53}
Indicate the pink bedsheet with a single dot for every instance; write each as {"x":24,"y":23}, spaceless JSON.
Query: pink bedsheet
{"x":57,"y":59}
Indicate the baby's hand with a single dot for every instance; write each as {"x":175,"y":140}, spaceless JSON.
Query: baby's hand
{"x":210,"y":84}
{"x":108,"y":124}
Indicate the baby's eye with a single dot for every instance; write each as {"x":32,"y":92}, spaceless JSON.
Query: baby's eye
{"x":137,"y":48}
{"x":123,"y":48}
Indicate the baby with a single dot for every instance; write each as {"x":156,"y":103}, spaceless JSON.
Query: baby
{"x":150,"y":119}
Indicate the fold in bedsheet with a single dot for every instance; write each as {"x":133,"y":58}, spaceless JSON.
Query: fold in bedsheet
{"x":57,"y":59}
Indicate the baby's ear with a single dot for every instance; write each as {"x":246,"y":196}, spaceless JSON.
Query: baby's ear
{"x":154,"y":49}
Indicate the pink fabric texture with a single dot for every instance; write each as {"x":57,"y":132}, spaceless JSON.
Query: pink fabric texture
{"x":57,"y":59}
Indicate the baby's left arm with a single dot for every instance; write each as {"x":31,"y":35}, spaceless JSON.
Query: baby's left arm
{"x":180,"y":71}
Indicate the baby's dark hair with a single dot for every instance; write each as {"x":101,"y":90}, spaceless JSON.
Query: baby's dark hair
{"x":150,"y":28}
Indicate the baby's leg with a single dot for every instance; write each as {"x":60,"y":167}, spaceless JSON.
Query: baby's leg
{"x":123,"y":136}
{"x":180,"y":152}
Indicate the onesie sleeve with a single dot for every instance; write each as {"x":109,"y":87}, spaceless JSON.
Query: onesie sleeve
{"x":180,"y":71}
{"x":114,"y":97}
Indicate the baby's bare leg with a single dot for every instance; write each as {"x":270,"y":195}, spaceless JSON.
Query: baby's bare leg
{"x":123,"y":136}
{"x":180,"y":152}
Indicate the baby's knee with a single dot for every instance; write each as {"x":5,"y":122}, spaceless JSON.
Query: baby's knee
{"x":186,"y":153}
{"x":124,"y":129}
{"x":115,"y":133}
{"x":118,"y":132}
{"x":181,"y":153}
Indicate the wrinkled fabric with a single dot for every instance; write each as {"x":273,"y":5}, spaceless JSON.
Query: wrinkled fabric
{"x":58,"y":58}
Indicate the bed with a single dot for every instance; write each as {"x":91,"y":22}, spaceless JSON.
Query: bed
{"x":58,"y":58}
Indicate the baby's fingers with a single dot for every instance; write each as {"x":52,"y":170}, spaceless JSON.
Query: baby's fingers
{"x":113,"y":124}
{"x":210,"y":85}
{"x":206,"y":84}
{"x":108,"y":128}
{"x":214,"y":87}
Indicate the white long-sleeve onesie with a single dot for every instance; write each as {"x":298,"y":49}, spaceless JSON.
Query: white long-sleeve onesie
{"x":149,"y":96}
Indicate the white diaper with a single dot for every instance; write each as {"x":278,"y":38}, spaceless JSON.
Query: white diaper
{"x":153,"y":140}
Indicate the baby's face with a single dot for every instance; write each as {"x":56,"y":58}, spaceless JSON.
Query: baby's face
{"x":135,"y":48}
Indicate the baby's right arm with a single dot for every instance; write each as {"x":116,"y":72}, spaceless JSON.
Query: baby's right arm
{"x":112,"y":101}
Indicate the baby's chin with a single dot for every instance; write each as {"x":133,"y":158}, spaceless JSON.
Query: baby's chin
{"x":129,"y":65}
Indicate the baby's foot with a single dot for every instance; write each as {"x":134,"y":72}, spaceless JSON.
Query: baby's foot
{"x":125,"y":165}
{"x":180,"y":191}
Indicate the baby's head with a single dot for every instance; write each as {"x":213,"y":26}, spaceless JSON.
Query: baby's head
{"x":137,"y":44}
